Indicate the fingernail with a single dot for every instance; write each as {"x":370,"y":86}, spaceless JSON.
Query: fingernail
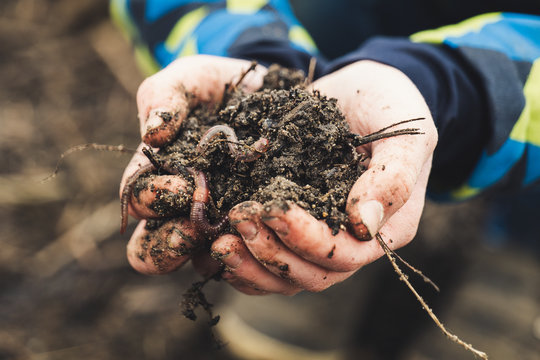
{"x":248,"y":229}
{"x":154,"y":121}
{"x":232,"y":260}
{"x":279,"y":226}
{"x":229,"y":258}
{"x":372,"y":214}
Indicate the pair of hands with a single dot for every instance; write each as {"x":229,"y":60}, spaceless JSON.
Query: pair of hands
{"x":288,"y":251}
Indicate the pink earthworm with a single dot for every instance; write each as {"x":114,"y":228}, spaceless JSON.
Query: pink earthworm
{"x":201,"y":195}
{"x":256,"y":150}
{"x":198,"y":215}
{"x":127,"y":191}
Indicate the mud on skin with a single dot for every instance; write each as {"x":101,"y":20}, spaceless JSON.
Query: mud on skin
{"x":309,"y":159}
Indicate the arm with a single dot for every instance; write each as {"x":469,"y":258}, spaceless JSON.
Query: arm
{"x":480,"y":79}
{"x":263,"y":30}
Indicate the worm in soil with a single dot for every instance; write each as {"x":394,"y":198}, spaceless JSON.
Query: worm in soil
{"x":258,"y":148}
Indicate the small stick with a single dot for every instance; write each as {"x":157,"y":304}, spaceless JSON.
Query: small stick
{"x":425,"y":306}
{"x":147,"y":151}
{"x":396,"y":124}
{"x":412,"y":268}
{"x":311,"y":71}
{"x":252,"y":67}
{"x":358,"y":140}
{"x":77,"y":148}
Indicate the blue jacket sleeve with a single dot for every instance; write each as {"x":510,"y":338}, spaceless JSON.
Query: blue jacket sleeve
{"x":481,"y":80}
{"x":262,"y":30}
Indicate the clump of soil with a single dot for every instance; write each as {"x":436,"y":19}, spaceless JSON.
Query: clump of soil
{"x":310,"y":159}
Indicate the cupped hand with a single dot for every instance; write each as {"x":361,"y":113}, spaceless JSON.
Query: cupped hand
{"x":163,"y":101}
{"x":284,"y":250}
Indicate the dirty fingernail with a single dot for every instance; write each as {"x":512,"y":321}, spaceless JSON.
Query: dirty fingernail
{"x":280,"y":227}
{"x":372,"y":214}
{"x":154,"y":121}
{"x":232,"y":260}
{"x":229,"y":258}
{"x":247,"y":229}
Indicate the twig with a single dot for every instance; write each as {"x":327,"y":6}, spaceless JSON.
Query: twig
{"x":358,"y":140}
{"x":194,"y":297}
{"x":93,"y":146}
{"x":252,"y":67}
{"x":412,"y":268}
{"x":311,"y":71}
{"x":425,"y":306}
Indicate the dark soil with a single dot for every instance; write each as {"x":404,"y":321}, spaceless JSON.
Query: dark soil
{"x":310,"y":160}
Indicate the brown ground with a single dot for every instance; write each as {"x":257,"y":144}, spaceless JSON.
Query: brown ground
{"x":67,"y":291}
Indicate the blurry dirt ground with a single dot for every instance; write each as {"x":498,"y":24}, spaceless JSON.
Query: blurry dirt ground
{"x":66,"y":290}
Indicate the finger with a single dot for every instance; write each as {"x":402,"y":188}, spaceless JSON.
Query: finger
{"x":313,"y":240}
{"x":156,"y":196}
{"x":267,"y":248}
{"x":205,"y":264}
{"x":383,"y":189}
{"x":401,"y":228}
{"x":243,"y":271}
{"x":164,"y":99}
{"x":162,"y":196}
{"x":374,"y":96}
{"x":160,"y":250}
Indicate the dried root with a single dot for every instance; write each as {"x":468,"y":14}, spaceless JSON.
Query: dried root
{"x":92,"y":146}
{"x":390,"y":255}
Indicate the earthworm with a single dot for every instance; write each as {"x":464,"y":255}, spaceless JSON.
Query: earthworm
{"x":256,"y":150}
{"x":198,"y":207}
{"x":126,"y":194}
{"x":201,"y":195}
{"x":155,"y":164}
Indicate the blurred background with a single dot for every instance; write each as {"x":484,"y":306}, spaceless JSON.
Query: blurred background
{"x":66,"y":290}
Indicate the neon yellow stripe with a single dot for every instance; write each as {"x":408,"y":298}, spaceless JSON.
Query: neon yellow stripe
{"x":145,"y":61}
{"x":190,"y":48}
{"x":527,"y":128}
{"x":184,"y":27}
{"x":245,"y":6}
{"x":122,"y":19}
{"x":464,"y":192}
{"x":437,"y":36}
{"x":299,"y":36}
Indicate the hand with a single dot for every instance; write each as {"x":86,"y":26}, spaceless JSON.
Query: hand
{"x":163,"y":103}
{"x":286,"y":251}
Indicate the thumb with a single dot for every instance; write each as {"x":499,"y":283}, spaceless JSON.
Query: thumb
{"x":165,"y":98}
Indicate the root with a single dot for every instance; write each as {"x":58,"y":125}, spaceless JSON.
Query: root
{"x":390,"y":255}
{"x":311,"y":71}
{"x":194,"y":297}
{"x":358,"y":140}
{"x":92,"y":146}
{"x":412,"y":268}
{"x":252,"y":67}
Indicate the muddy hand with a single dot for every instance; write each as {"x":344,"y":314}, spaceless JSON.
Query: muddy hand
{"x":283,"y":251}
{"x":389,"y":196}
{"x":163,"y":101}
{"x":286,"y":250}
